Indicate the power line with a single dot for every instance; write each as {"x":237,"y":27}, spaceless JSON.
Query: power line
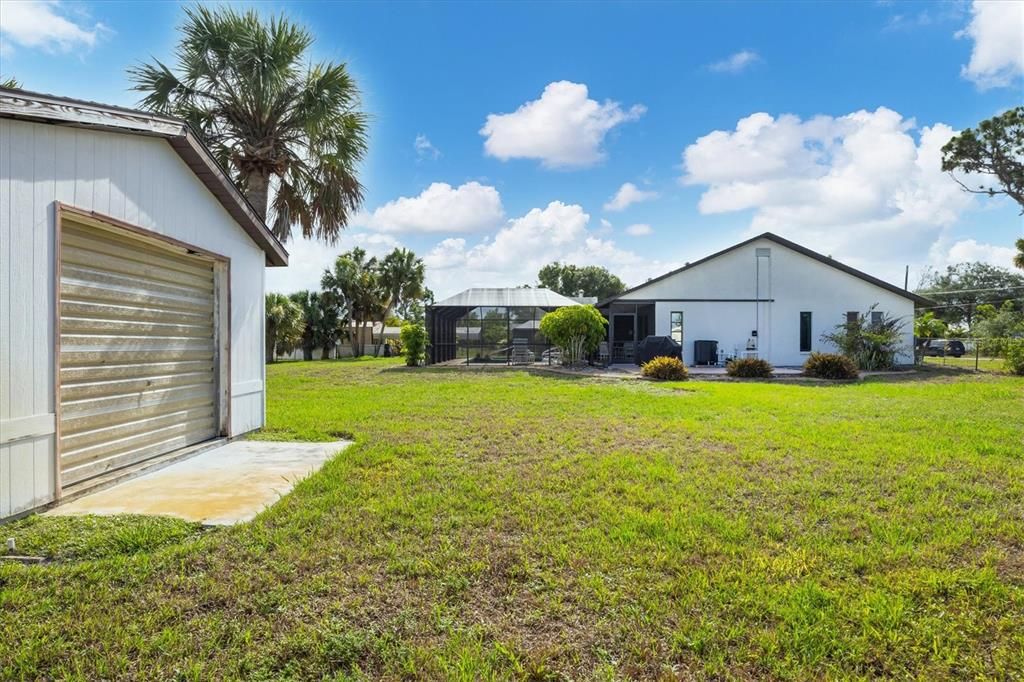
{"x":968,"y":291}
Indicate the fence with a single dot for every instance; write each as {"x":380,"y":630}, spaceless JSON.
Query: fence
{"x":975,"y":354}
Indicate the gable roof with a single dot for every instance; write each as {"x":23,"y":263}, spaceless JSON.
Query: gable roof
{"x":513,"y":298}
{"x":793,"y":246}
{"x":40,"y":108}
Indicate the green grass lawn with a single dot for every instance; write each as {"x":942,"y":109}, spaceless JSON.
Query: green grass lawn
{"x":495,"y":525}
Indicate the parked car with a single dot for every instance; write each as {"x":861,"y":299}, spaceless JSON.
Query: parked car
{"x":941,"y":347}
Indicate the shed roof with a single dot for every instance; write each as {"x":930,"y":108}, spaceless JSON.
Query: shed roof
{"x":513,"y":298}
{"x":803,"y":250}
{"x":38,"y":107}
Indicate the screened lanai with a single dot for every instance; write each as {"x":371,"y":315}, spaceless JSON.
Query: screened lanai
{"x":491,"y":325}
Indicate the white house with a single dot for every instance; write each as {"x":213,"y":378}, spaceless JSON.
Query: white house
{"x":767,"y":297}
{"x":131,"y":296}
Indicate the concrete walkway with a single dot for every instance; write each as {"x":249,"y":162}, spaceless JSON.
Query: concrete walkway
{"x":228,"y":484}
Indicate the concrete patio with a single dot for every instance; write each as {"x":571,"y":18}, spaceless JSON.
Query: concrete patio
{"x":221,"y":486}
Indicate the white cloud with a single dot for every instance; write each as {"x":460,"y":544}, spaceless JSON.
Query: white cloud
{"x":736,"y":62}
{"x":439,"y":208}
{"x":605,"y":228}
{"x":863,"y":186}
{"x":969,"y":250}
{"x":307,"y":258}
{"x":525,"y":244}
{"x":997,"y":29}
{"x":627,"y":195}
{"x":639,"y":230}
{"x":46,"y":25}
{"x":425,"y":148}
{"x":563,"y":129}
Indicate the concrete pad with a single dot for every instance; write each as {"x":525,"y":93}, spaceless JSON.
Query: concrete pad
{"x":222,"y":486}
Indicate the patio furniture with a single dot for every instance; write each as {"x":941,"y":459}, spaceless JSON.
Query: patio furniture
{"x":553,"y":355}
{"x":628,"y":351}
{"x":603,"y":356}
{"x":521,"y":354}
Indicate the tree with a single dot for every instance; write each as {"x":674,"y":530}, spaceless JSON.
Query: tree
{"x":320,"y":318}
{"x":1018,"y":260}
{"x":578,"y":330}
{"x":270,"y":116}
{"x":573,"y":280}
{"x":995,"y":149}
{"x":333,"y":321}
{"x":354,"y":280}
{"x":961,"y":288}
{"x":928,"y":326}
{"x":284,"y":325}
{"x":401,"y":280}
{"x":9,"y":83}
{"x":415,"y":309}
{"x":997,"y":327}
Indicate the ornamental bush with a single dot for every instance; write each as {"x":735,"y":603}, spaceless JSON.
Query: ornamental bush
{"x":871,"y":345}
{"x":414,"y":343}
{"x":664,"y":368}
{"x":577,"y":330}
{"x":1014,"y":362}
{"x":749,"y":368}
{"x":830,"y":366}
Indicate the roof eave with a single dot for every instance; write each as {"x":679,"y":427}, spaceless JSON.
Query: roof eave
{"x":42,"y":108}
{"x":882,"y":284}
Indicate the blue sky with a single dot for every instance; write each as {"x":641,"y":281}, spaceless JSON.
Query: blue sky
{"x":637,"y":136}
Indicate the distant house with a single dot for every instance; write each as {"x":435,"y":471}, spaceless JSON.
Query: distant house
{"x":766,"y":297}
{"x":131,"y":320}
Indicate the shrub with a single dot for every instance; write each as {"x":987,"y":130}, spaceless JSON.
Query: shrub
{"x":872,"y":345}
{"x":1014,"y":362}
{"x":578,"y":330}
{"x":830,"y":366}
{"x":749,"y":368}
{"x":664,"y":368}
{"x":414,"y":343}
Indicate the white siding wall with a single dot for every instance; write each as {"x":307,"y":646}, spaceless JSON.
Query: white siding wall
{"x":139,"y":180}
{"x":797,"y":283}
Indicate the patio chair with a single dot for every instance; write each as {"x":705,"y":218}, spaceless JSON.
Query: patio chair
{"x":628,"y":351}
{"x":521,"y":354}
{"x":603,"y":356}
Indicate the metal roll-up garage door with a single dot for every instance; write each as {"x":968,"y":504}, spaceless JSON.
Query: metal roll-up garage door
{"x":137,"y":351}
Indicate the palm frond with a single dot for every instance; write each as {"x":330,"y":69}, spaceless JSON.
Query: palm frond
{"x":241,"y":83}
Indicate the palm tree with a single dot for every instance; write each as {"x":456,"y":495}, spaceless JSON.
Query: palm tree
{"x":401,"y":280}
{"x":332,"y":321}
{"x":284,"y":325}
{"x":244,"y":85}
{"x":1018,"y":259}
{"x":309,"y":303}
{"x":320,"y":316}
{"x":355,"y":280}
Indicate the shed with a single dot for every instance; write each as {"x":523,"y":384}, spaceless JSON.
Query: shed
{"x":131,"y":296}
{"x":481,"y":325}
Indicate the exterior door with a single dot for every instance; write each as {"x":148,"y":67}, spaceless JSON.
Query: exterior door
{"x":137,"y":358}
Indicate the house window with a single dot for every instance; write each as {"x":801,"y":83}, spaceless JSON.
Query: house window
{"x":876,"y":318}
{"x":676,"y":326}
{"x":805,"y":332}
{"x":852,"y":317}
